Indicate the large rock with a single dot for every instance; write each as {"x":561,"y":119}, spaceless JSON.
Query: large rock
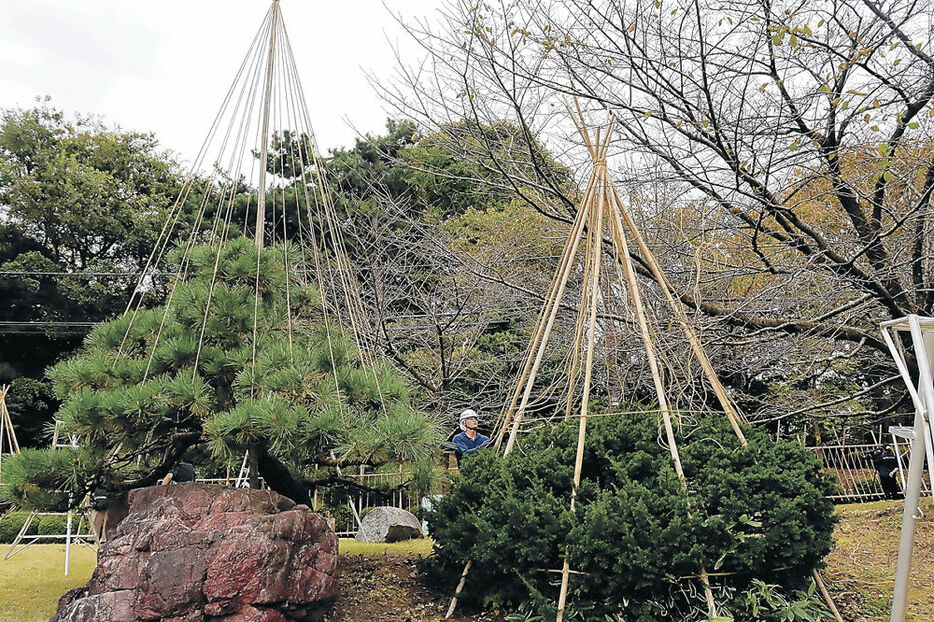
{"x":389,"y":524}
{"x":196,"y":552}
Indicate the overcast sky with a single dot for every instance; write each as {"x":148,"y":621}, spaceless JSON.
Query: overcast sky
{"x":164,"y":65}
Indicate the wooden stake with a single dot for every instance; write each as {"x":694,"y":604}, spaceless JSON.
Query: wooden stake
{"x":460,"y":588}
{"x":826,"y":595}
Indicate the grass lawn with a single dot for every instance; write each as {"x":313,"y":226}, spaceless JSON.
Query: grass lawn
{"x":32,"y":581}
{"x":409,"y":548}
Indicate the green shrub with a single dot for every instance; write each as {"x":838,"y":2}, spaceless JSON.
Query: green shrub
{"x":56,"y":525}
{"x":11,"y":523}
{"x":637,"y":537}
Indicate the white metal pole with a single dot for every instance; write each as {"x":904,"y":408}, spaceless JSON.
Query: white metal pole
{"x":928,"y":450}
{"x":68,"y":539}
{"x":911,"y":512}
{"x":909,"y":521}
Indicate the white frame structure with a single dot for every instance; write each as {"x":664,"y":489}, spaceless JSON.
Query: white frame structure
{"x":920,"y":330}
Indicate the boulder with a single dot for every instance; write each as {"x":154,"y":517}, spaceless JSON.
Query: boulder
{"x":196,"y":552}
{"x":389,"y":524}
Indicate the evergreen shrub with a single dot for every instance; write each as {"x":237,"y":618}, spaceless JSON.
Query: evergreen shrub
{"x":56,"y":525}
{"x":11,"y":523}
{"x":757,"y":512}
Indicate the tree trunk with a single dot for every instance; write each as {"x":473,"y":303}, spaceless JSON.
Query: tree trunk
{"x":279,"y":478}
{"x":253,"y":461}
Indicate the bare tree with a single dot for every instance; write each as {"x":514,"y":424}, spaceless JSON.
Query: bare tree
{"x":454,"y":324}
{"x":778,"y":154}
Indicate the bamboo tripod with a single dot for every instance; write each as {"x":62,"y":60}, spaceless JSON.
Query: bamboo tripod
{"x":602,"y":213}
{"x":8,"y":442}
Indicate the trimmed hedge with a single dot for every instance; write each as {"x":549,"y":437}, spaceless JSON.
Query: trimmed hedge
{"x":639,"y":539}
{"x":56,"y":525}
{"x":12,"y":522}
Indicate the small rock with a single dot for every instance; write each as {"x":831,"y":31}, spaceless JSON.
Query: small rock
{"x":389,"y":524}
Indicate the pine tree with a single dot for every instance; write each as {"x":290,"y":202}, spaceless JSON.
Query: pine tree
{"x":238,"y":360}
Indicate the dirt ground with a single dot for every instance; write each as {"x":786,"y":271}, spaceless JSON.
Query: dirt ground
{"x":386,"y":588}
{"x":861,"y":568}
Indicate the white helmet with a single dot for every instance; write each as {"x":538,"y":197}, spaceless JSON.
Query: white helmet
{"x":467,"y":414}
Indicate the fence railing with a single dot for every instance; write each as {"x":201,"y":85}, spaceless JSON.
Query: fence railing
{"x":348,"y":505}
{"x":852,"y":470}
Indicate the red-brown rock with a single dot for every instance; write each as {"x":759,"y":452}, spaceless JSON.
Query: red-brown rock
{"x":196,"y":552}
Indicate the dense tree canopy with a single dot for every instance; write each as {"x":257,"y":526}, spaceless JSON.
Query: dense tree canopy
{"x":81,"y":206}
{"x":79,"y":197}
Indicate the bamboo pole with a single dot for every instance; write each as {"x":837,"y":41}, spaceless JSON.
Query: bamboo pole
{"x":460,"y":588}
{"x":546,"y":321}
{"x":264,"y":149}
{"x":601,"y":196}
{"x":517,"y":419}
{"x":596,"y":235}
{"x":635,"y":294}
{"x":678,"y":307}
{"x":578,"y":335}
{"x":826,"y":595}
{"x":537,"y":349}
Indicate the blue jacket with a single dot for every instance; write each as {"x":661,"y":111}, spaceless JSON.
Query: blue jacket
{"x":467,"y":445}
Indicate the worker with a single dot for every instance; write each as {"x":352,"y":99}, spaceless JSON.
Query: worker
{"x":469,"y":440}
{"x":886,"y":466}
{"x":181,"y":473}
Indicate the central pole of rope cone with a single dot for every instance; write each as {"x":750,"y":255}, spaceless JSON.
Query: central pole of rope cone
{"x":261,"y":199}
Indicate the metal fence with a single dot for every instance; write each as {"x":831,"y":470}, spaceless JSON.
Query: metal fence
{"x":852,"y":470}
{"x":347,"y":505}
